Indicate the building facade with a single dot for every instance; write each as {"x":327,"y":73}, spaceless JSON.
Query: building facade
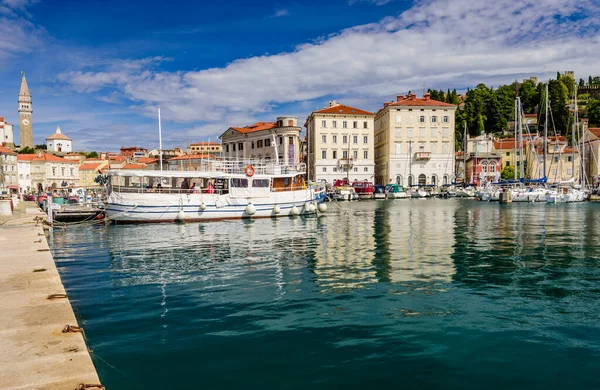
{"x":7,"y":136}
{"x":49,"y":171}
{"x":205,"y":147}
{"x":279,"y":141}
{"x":58,"y":142}
{"x":8,"y":168}
{"x":592,"y":156}
{"x":89,"y":170}
{"x":24,"y":169}
{"x":134,"y":152}
{"x":562,"y":162}
{"x":414,"y":142}
{"x":340,"y":144}
{"x":25,"y":115}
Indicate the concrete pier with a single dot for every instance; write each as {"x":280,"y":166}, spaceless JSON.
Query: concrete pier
{"x":35,"y":353}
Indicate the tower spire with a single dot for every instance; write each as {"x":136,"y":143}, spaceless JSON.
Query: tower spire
{"x":24,"y":92}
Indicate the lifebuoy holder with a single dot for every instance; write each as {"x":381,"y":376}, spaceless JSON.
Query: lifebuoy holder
{"x":250,"y":171}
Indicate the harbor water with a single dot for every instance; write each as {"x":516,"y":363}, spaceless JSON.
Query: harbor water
{"x":426,"y":294}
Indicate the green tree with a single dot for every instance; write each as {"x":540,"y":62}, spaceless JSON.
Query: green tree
{"x":93,"y":154}
{"x":530,"y":97}
{"x":559,"y":100}
{"x":593,"y":112}
{"x":508,"y":173}
{"x":26,"y":150}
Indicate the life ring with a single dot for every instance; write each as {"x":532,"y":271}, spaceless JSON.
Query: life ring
{"x":250,"y":171}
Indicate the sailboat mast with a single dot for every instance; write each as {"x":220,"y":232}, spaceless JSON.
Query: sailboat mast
{"x":546,"y":131}
{"x":515,"y":149}
{"x":573,"y":135}
{"x":160,"y":151}
{"x":520,"y":140}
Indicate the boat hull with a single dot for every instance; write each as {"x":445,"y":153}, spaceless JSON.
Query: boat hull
{"x":140,"y":208}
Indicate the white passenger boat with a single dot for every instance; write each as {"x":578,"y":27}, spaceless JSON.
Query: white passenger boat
{"x":565,"y":195}
{"x":220,"y":189}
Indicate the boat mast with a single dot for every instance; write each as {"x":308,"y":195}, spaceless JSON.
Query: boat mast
{"x":160,"y":152}
{"x":465,"y":156}
{"x":573,"y":135}
{"x":521,"y":162}
{"x":546,"y":132}
{"x":515,"y":149}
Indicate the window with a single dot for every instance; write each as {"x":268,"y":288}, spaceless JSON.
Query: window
{"x":569,"y":171}
{"x":345,"y":154}
{"x":555,"y":171}
{"x":446,"y":147}
{"x":280,"y":140}
{"x":323,"y":124}
{"x":555,"y":159}
{"x":508,"y":163}
{"x":365,"y":125}
{"x":433,"y":147}
{"x":366,"y":154}
{"x":398,"y":132}
{"x":398,"y":118}
{"x":569,"y":158}
{"x":422,"y":119}
{"x":260,"y":183}
{"x":345,"y":139}
{"x":252,"y":145}
{"x":365,"y":139}
{"x":398,"y":149}
{"x":492,"y":167}
{"x":355,"y":125}
{"x":355,"y":154}
{"x":421,"y":148}
{"x":227,"y":148}
{"x":445,"y":119}
{"x":335,"y":139}
{"x":433,"y":119}
{"x":409,"y":133}
{"x":27,"y":176}
{"x":433,"y":133}
{"x":240,"y":146}
{"x":291,"y":140}
{"x":507,"y":154}
{"x":259,"y":144}
{"x":324,"y":139}
{"x":334,"y":169}
{"x":53,"y":171}
{"x":334,"y":154}
{"x":355,"y":139}
{"x":355,"y":169}
{"x":334,"y":124}
{"x":366,"y":169}
{"x":268,"y":142}
{"x":20,"y":176}
{"x":445,"y":132}
{"x":345,"y":124}
{"x":324,"y":154}
{"x":324,"y":169}
{"x":421,"y":132}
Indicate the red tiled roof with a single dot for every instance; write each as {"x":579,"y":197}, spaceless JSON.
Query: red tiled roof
{"x":342,"y":109}
{"x":44,"y":157}
{"x":73,"y":154}
{"x":59,"y":136}
{"x":132,"y":148}
{"x":117,"y":158}
{"x":205,"y":143}
{"x":194,"y":157}
{"x":508,"y":144}
{"x":134,"y":166}
{"x":258,"y":126}
{"x":5,"y":150}
{"x":147,"y":160}
{"x":595,"y":131}
{"x":413,"y":101}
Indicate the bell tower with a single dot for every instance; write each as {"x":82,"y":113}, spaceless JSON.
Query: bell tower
{"x":25,"y":111}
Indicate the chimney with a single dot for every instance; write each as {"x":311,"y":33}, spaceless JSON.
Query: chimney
{"x":399,"y":98}
{"x":332,"y":103}
{"x":413,"y":97}
{"x":427,"y":96}
{"x":385,"y":104}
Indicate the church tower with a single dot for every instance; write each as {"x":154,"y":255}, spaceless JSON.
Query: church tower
{"x":25,"y":112}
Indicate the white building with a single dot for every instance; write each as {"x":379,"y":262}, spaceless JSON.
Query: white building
{"x":50,"y":171}
{"x":58,"y":142}
{"x":340,"y":144}
{"x":7,"y":136}
{"x":264,"y":140}
{"x":8,"y":168}
{"x":24,"y":169}
{"x":414,"y":142}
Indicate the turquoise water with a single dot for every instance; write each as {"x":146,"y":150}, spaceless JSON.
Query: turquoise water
{"x":427,"y":294}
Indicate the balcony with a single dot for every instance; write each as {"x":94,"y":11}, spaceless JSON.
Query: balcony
{"x":346,"y":162}
{"x":422,"y":155}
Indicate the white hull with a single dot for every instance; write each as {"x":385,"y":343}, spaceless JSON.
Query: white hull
{"x":397,"y":195}
{"x":419,"y":194}
{"x":159,"y":207}
{"x":529,"y":196}
{"x":570,"y":197}
{"x":463,"y":193}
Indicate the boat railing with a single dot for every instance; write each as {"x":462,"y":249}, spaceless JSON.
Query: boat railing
{"x":167,"y":190}
{"x":260,"y":166}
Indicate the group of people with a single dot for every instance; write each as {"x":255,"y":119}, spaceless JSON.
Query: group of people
{"x":185,"y":185}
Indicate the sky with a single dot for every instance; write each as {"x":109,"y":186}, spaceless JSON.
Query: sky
{"x":99,"y":69}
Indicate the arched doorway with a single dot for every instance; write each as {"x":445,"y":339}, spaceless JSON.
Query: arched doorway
{"x":445,"y":179}
{"x":434,"y":180}
{"x":410,"y":180}
{"x":399,"y":180}
{"x":422,"y":179}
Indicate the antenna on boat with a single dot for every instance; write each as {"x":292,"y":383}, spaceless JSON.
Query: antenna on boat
{"x":160,"y":152}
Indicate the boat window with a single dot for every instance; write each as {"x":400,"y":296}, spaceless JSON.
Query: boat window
{"x":239,"y":183}
{"x":260,"y":183}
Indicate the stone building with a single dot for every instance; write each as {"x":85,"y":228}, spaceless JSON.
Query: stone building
{"x":414,"y":141}
{"x":340,"y":144}
{"x":50,"y":171}
{"x":279,"y":141}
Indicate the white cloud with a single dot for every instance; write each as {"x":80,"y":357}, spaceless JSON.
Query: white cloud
{"x":454,"y":43}
{"x":17,"y":33}
{"x":280,"y":13}
{"x":374,"y":2}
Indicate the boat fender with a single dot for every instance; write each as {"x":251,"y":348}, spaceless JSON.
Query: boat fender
{"x":250,"y":209}
{"x":294,"y":210}
{"x":181,"y":215}
{"x":322,"y":207}
{"x":250,"y":170}
{"x":202,"y":206}
{"x":276,"y":209}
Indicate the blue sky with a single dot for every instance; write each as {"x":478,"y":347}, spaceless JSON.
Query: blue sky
{"x":99,"y":69}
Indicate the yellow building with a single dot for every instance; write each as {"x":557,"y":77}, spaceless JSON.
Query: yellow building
{"x":205,"y":147}
{"x":562,"y":162}
{"x":89,"y":170}
{"x":414,"y":141}
{"x":510,"y":156}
